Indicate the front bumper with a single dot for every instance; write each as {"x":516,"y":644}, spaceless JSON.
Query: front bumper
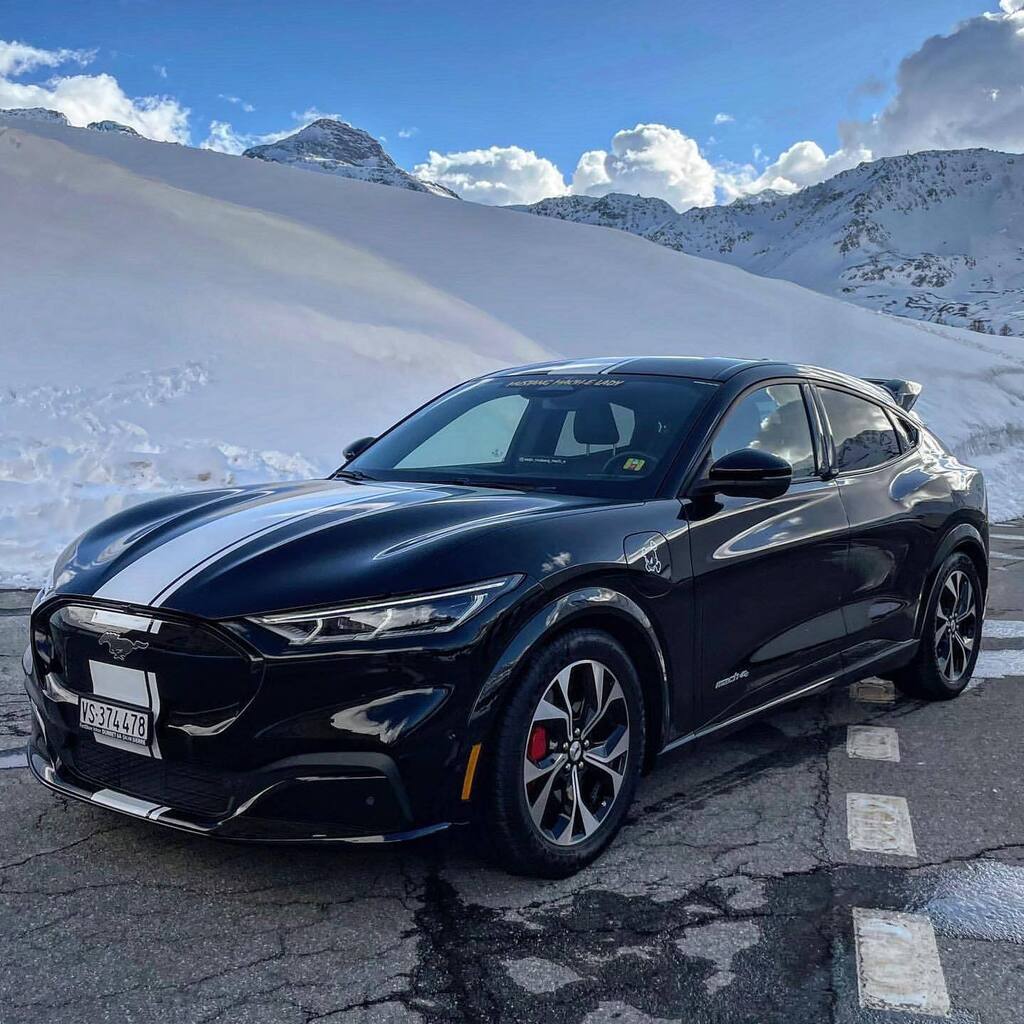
{"x":244,"y":824}
{"x":369,"y":748}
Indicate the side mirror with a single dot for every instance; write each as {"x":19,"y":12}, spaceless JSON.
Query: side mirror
{"x":357,"y":448}
{"x":748,"y":473}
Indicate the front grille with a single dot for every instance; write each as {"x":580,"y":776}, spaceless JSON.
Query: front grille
{"x":181,"y":786}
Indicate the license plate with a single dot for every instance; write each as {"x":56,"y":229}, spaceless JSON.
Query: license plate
{"x":114,"y":720}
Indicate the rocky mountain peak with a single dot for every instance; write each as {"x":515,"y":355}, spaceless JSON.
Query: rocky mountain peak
{"x":336,"y":147}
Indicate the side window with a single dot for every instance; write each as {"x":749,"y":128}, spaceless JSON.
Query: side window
{"x":772,"y":419}
{"x":479,"y":436}
{"x":905,"y":431}
{"x":862,"y":431}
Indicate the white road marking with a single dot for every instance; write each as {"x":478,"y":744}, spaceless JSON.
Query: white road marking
{"x":1019,"y":537}
{"x":873,"y":691}
{"x":1003,"y":629}
{"x":898,"y":966}
{"x":873,"y":743}
{"x":1002,"y":554}
{"x":879,"y":824}
{"x":998,"y":665}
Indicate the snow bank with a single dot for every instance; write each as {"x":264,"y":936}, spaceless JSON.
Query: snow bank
{"x":175,"y":318}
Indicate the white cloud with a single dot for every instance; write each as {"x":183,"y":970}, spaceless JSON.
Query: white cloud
{"x":161,"y":70}
{"x":804,"y":163}
{"x":724,"y":118}
{"x":85,"y":98}
{"x":407,"y":133}
{"x":956,"y":91}
{"x":497,"y":176}
{"x":20,"y":58}
{"x":237,"y":101}
{"x":649,"y":160}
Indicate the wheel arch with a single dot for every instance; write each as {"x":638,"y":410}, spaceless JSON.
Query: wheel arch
{"x":965,"y":537}
{"x":597,"y":607}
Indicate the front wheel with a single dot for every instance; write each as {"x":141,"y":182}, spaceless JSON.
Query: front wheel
{"x":566,"y":758}
{"x":951,"y":637}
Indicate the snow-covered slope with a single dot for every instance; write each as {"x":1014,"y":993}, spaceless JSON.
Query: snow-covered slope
{"x":936,"y":236}
{"x":639,"y":215}
{"x":176,"y":318}
{"x":334,"y":147}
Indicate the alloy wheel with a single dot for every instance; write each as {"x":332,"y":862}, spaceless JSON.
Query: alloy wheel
{"x":956,"y":626}
{"x":577,"y":752}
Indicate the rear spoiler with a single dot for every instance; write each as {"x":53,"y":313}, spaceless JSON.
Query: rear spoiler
{"x":904,"y":392}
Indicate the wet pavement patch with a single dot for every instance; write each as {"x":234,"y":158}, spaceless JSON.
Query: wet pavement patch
{"x":980,"y":899}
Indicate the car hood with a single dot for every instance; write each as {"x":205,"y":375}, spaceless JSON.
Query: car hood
{"x":244,"y":550}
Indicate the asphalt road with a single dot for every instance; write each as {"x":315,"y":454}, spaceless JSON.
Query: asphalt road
{"x":731,"y":894}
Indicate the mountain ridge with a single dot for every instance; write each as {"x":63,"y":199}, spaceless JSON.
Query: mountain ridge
{"x":936,"y":235}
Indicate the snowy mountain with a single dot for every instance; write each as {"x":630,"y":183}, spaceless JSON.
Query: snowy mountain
{"x":33,"y":114}
{"x":639,"y":215}
{"x":936,"y":236}
{"x":334,"y":147}
{"x":112,"y":126}
{"x":190,"y":319}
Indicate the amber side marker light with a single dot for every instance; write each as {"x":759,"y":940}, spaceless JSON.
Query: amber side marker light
{"x":467,"y":782}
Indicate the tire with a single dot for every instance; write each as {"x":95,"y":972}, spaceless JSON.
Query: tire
{"x":951,"y":635}
{"x":540,"y":774}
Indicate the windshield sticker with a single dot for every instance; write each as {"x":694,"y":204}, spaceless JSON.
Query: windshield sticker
{"x":565,"y":382}
{"x":634,"y":465}
{"x":547,"y":460}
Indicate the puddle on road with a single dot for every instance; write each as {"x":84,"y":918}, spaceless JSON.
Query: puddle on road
{"x":13,"y":759}
{"x":980,"y":900}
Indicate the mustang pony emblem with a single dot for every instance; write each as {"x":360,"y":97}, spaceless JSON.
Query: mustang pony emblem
{"x":652,"y":563}
{"x":121,"y":646}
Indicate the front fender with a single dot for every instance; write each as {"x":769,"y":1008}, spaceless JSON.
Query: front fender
{"x":588,"y":605}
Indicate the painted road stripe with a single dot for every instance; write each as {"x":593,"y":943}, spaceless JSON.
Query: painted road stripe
{"x":1002,"y":554}
{"x":898,"y":966}
{"x":873,"y":691}
{"x":879,"y":824}
{"x":999,"y":665}
{"x":1019,"y":537}
{"x":873,"y":743}
{"x":1003,"y":629}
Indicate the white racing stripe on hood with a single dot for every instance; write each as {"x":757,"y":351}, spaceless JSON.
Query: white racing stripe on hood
{"x":154,"y":576}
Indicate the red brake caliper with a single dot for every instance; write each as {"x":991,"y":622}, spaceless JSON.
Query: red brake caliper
{"x":537,"y":748}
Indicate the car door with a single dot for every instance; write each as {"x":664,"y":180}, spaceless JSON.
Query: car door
{"x":892,"y":505}
{"x":769,"y":574}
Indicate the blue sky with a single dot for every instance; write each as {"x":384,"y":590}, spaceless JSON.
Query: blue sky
{"x":553,"y":78}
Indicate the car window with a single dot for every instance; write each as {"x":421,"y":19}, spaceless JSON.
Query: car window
{"x":481,"y":435}
{"x":906,"y":432}
{"x":578,"y":433}
{"x":862,"y":431}
{"x":771,"y":419}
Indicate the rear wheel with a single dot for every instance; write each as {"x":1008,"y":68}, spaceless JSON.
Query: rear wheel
{"x":951,"y":638}
{"x":566,"y":757}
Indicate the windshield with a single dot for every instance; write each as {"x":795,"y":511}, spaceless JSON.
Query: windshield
{"x":582,"y":434}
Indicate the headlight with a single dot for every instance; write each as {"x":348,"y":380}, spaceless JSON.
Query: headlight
{"x":427,"y":613}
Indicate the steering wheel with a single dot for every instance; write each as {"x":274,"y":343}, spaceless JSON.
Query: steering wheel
{"x":646,"y":461}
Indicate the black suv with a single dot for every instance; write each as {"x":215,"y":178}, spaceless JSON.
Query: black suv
{"x":509,"y":604}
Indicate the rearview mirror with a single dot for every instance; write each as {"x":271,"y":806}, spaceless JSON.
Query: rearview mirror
{"x":748,"y":473}
{"x":357,"y":448}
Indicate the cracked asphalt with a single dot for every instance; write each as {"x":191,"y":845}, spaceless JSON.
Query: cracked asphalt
{"x":727,"y":897}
